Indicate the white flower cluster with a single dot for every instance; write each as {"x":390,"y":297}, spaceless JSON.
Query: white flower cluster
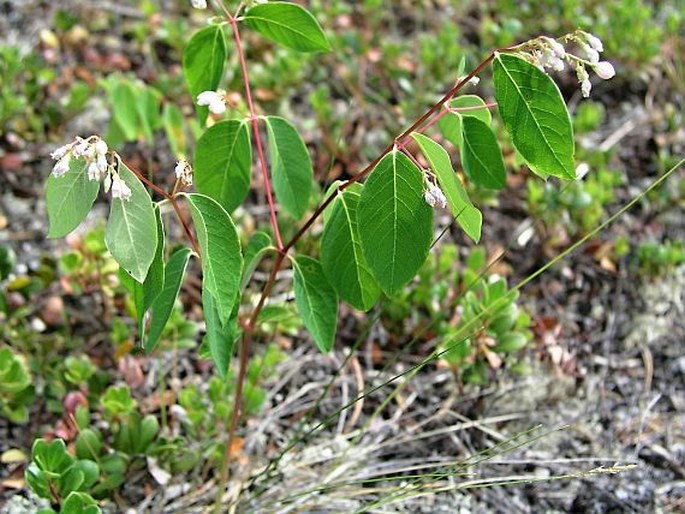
{"x":215,"y":100}
{"x":546,"y":52}
{"x":434,"y":195}
{"x":184,"y":172}
{"x":94,"y":151}
{"x":199,"y":4}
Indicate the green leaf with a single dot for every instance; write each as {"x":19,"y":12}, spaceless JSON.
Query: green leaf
{"x":172,"y":119}
{"x":509,"y":343}
{"x":131,"y":231}
{"x":291,"y":166}
{"x":69,"y":198}
{"x":468,"y":216}
{"x":125,"y":109}
{"x":204,"y":58}
{"x":481,"y":156}
{"x":341,"y":253}
{"x":79,"y":503}
{"x":221,"y":336}
{"x":223,"y":159}
{"x":450,"y":124}
{"x":164,"y":303}
{"x":222,"y":261}
{"x":288,"y":24}
{"x":148,"y":105}
{"x":535,"y":116}
{"x":144,"y":294}
{"x":395,"y":222}
{"x":316,"y":301}
{"x":258,"y":246}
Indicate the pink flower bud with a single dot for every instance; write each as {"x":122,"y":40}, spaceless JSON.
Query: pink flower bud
{"x":604,"y":70}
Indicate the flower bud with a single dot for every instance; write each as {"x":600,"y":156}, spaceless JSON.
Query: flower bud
{"x":604,"y":70}
{"x":594,"y":42}
{"x":215,"y":100}
{"x":199,"y":4}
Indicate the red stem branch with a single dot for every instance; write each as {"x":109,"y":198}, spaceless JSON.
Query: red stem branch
{"x":255,"y":130}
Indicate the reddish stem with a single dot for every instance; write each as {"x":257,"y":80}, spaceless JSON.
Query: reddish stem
{"x":255,"y":130}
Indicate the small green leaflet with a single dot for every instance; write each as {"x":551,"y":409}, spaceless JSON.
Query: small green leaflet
{"x":144,"y":294}
{"x":204,"y":58}
{"x":535,"y":116}
{"x":288,"y":24}
{"x":341,"y":253}
{"x":163,"y":305}
{"x":468,"y":216}
{"x":257,"y":247}
{"x":223,"y":158}
{"x":481,"y":156}
{"x":222,"y":261}
{"x":450,"y":123}
{"x":220,"y":336}
{"x":291,"y":166}
{"x":131,"y":230}
{"x":69,"y":198}
{"x":395,"y":223}
{"x":124,"y":101}
{"x":316,"y":301}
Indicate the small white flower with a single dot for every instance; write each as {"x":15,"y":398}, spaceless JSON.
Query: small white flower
{"x":120,"y":189}
{"x":434,"y":196}
{"x":60,"y":152}
{"x":594,"y":42}
{"x":430,"y":199}
{"x":184,"y":172}
{"x":199,"y":4}
{"x":585,"y":87}
{"x":101,"y":163}
{"x":215,"y":100}
{"x":83,"y":148}
{"x":557,"y":64}
{"x":100,"y":147}
{"x":557,"y":48}
{"x":474,"y":81}
{"x":592,"y":54}
{"x":61,"y":166}
{"x":604,"y":70}
{"x":94,"y":171}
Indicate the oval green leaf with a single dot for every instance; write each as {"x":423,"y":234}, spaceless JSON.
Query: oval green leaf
{"x":316,"y":301}
{"x":69,"y":198}
{"x":222,"y":163}
{"x":204,"y":58}
{"x":291,"y":166}
{"x":222,"y":261}
{"x":481,"y":156}
{"x":395,"y":223}
{"x":220,"y":335}
{"x":288,"y":24}
{"x":144,"y":294}
{"x":257,"y":247}
{"x":535,"y":116}
{"x":469,"y":217}
{"x":341,"y":253}
{"x":174,"y":271}
{"x":131,"y":231}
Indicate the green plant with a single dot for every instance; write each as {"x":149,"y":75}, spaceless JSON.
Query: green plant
{"x":654,"y":259}
{"x":16,"y":391}
{"x":504,"y":326}
{"x":56,"y":475}
{"x":376,"y":236}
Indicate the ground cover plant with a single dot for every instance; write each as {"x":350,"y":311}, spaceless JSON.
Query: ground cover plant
{"x":330,"y":244}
